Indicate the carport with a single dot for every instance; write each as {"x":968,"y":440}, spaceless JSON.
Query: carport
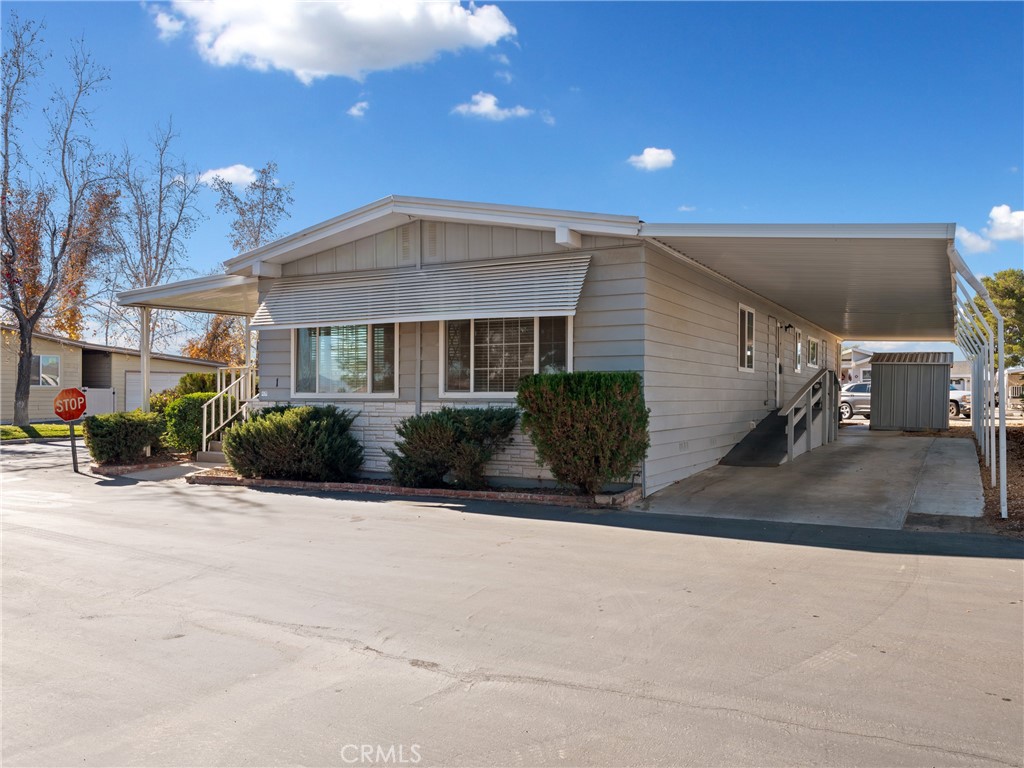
{"x":898,"y":282}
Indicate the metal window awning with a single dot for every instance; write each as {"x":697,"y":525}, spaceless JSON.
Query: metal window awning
{"x":523,"y":288}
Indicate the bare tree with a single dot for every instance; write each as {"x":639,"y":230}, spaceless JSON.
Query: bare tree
{"x":258,"y":212}
{"x":158,"y":214}
{"x":53,"y":215}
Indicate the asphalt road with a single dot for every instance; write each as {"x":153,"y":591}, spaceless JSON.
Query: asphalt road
{"x":156,"y":623}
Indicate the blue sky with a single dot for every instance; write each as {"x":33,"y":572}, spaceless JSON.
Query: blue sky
{"x":764,"y":112}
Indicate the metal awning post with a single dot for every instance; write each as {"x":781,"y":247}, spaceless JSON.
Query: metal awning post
{"x":961,"y":267}
{"x":145,"y":348}
{"x":988,"y":349}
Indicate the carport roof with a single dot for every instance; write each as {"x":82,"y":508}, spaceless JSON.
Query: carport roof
{"x":857,"y":281}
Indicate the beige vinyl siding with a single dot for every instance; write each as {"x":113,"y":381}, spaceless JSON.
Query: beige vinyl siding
{"x":701,"y":403}
{"x":441,"y":243}
{"x":40,"y":398}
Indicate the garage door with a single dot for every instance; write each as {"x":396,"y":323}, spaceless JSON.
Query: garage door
{"x":158,"y":382}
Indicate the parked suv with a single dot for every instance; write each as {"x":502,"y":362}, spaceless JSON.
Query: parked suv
{"x":855,"y":400}
{"x":959,"y":402}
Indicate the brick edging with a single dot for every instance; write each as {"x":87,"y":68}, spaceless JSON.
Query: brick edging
{"x":113,"y":470}
{"x":623,"y":499}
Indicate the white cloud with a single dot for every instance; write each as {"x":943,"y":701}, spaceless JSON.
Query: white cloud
{"x":546,"y":117}
{"x":313,"y":40}
{"x":237,"y":174}
{"x":485,"y":105}
{"x":973,"y":242}
{"x":501,"y":58}
{"x":504,"y":75}
{"x":687,"y":208}
{"x":358,"y":109}
{"x":1005,"y":224}
{"x":168,"y":26}
{"x":653,"y":159}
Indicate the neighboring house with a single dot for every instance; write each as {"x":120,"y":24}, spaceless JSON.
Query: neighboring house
{"x":409,"y":304}
{"x":960,"y":374}
{"x":856,"y":365}
{"x":110,"y":375}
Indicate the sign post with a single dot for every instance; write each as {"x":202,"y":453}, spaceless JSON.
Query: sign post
{"x":69,"y":405}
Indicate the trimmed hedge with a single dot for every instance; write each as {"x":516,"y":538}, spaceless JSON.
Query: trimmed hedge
{"x":185,"y":421}
{"x":121,"y":438}
{"x":589,"y":428}
{"x":455,"y":441}
{"x":304,"y":443}
{"x":159,"y":401}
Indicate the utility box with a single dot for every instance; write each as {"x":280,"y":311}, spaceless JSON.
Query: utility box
{"x":910,"y":390}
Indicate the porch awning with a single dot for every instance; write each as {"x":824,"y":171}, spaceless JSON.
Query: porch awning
{"x":221,"y":294}
{"x":522,"y":288}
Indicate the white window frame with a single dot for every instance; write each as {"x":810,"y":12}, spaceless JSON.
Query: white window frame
{"x":60,"y":372}
{"x":817,"y":352}
{"x":442,"y":373}
{"x":296,"y":395}
{"x":798,"y":351}
{"x":753,"y":340}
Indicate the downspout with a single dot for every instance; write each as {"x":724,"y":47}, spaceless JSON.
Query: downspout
{"x":962,"y":268}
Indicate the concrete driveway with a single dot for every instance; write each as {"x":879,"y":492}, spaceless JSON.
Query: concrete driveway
{"x":864,"y":480}
{"x":156,"y":623}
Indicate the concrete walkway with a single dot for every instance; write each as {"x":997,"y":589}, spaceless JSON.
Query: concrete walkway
{"x":865,"y":480}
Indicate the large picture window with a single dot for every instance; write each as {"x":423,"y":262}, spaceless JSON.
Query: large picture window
{"x":46,"y":370}
{"x":346,"y":360}
{"x":491,"y":356}
{"x":746,"y":339}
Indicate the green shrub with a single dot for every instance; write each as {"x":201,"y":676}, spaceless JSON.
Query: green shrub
{"x":192,"y":383}
{"x":121,"y":438}
{"x":159,"y":401}
{"x":459,"y":441}
{"x":305,"y":443}
{"x":185,"y":421}
{"x":589,"y":428}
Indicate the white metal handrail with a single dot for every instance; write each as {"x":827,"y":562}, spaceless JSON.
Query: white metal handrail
{"x":822,"y":388}
{"x":236,"y":385}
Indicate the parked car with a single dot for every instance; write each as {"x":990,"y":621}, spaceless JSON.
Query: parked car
{"x":855,"y":400}
{"x":959,"y":402}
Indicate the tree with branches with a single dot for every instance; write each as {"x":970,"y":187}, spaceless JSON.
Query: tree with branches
{"x":158,"y":214}
{"x":54,"y":216}
{"x":258,"y":212}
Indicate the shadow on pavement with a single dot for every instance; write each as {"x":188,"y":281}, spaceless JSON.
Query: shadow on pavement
{"x":828,"y":536}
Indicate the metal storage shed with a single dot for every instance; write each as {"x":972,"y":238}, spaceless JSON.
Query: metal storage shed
{"x":910,"y":390}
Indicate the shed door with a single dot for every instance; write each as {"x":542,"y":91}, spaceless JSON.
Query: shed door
{"x":158,"y":382}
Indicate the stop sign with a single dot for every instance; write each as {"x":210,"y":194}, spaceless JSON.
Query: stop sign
{"x":69,"y":404}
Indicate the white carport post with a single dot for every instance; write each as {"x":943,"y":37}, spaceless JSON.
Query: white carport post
{"x":145,"y":346}
{"x":971,"y":342}
{"x":985,"y":370}
{"x":961,"y":267}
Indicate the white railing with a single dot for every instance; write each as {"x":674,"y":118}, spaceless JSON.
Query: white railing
{"x":236,"y":386}
{"x":821,"y":388}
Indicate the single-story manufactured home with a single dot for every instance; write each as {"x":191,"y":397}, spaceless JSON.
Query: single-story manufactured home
{"x":408,"y":304}
{"x":110,"y":376}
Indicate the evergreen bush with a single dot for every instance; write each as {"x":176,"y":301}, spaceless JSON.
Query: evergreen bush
{"x":185,"y":421}
{"x":194,"y":382}
{"x":589,"y":427}
{"x":455,"y":441}
{"x":304,"y":443}
{"x":122,"y":438}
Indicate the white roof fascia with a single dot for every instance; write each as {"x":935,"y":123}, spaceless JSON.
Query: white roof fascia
{"x":823,"y":231}
{"x":394,"y":211}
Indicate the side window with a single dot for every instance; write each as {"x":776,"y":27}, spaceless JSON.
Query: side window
{"x":798,"y":353}
{"x":746,"y":339}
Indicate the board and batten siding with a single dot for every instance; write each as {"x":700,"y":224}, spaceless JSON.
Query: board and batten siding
{"x":701,"y":403}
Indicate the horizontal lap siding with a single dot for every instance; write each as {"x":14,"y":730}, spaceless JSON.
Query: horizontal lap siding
{"x":40,"y":398}
{"x":701,"y":403}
